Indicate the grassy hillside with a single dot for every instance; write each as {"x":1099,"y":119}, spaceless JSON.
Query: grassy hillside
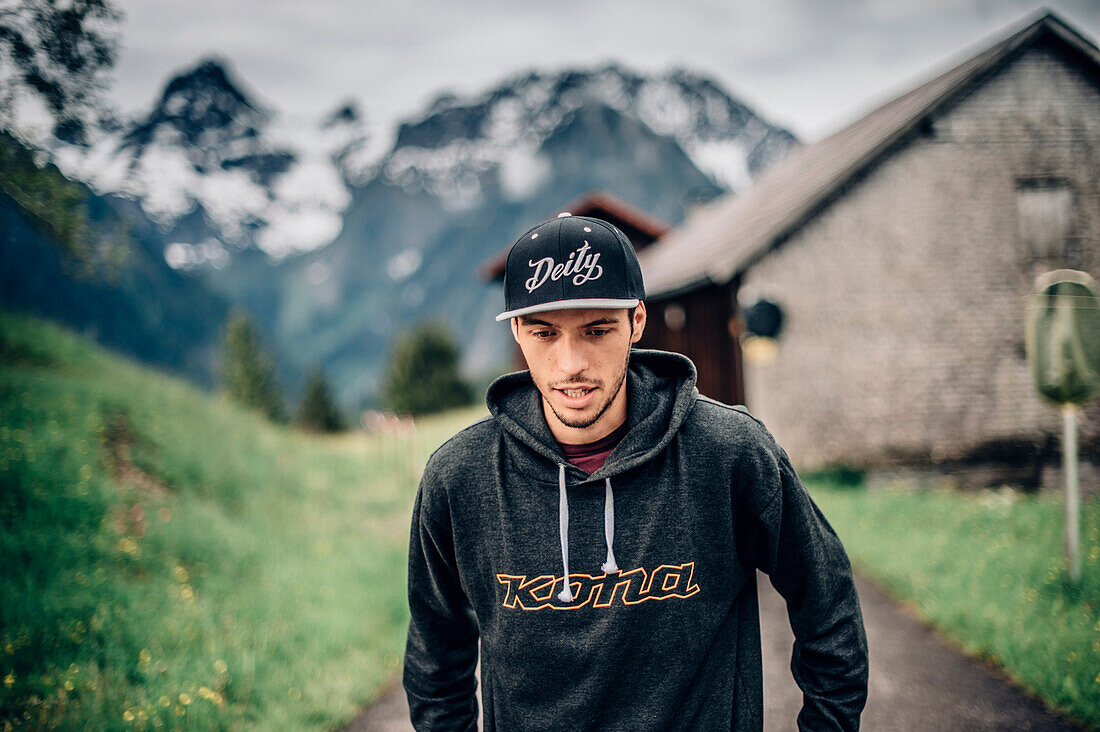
{"x":173,"y":561}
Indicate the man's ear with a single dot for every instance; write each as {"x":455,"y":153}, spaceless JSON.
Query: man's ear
{"x":639,"y":322}
{"x":515,"y":328}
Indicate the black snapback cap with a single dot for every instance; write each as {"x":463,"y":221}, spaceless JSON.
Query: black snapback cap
{"x":571,"y":263}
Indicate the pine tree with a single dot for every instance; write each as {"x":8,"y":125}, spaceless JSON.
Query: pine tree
{"x":423,"y":373}
{"x":318,"y":411}
{"x":54,"y":204}
{"x":248,"y":371}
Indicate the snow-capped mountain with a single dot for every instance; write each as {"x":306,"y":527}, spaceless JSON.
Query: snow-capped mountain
{"x":218,"y":171}
{"x":459,"y":139}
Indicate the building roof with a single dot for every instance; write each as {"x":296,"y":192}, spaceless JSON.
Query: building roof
{"x":640,"y":228}
{"x":722,"y":239}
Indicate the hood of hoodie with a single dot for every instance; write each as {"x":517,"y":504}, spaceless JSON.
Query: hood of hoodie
{"x":660,"y":394}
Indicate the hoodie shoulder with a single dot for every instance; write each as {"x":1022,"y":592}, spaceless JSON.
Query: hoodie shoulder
{"x":730,"y":424}
{"x":464,"y":450}
{"x":756,"y":460}
{"x":454,"y":470}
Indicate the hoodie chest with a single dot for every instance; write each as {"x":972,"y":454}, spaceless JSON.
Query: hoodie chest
{"x":670,"y":536}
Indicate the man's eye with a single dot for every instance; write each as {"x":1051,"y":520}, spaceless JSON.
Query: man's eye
{"x":542,"y":334}
{"x":599,"y":332}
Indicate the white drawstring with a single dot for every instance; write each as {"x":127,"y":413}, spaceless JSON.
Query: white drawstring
{"x":609,"y":566}
{"x":566,"y":595}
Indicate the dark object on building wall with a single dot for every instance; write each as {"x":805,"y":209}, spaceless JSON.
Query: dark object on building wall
{"x":764,"y":318}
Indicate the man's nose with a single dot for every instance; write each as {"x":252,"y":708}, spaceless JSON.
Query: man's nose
{"x":572,"y":359}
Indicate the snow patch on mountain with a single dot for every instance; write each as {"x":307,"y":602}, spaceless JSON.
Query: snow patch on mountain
{"x":402,"y":266}
{"x":522,"y":172}
{"x":725,"y":161}
{"x":182,"y":255}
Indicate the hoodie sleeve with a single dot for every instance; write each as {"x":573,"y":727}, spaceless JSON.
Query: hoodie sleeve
{"x":441,"y":650}
{"x":792,"y":542}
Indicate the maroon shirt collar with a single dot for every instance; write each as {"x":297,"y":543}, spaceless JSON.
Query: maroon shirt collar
{"x":591,"y":456}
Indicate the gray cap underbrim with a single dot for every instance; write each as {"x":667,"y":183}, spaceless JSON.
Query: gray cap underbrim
{"x":592,"y":303}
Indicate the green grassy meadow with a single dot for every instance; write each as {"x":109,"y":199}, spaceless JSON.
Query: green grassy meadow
{"x":172,"y":561}
{"x":986,"y":568}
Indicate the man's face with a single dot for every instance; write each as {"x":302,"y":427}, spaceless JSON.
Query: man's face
{"x":578,"y":361}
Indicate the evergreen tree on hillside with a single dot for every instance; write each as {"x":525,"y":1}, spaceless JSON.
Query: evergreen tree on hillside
{"x":423,"y":372}
{"x":318,"y":411}
{"x":53,"y":203}
{"x":248,"y":371}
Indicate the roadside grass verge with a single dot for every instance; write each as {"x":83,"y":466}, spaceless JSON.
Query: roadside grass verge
{"x":173,"y":561}
{"x":986,"y":568}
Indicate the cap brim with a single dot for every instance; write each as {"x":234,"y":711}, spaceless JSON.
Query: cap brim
{"x":589,"y":304}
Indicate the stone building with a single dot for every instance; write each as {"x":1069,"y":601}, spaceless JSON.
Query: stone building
{"x":901,"y":251}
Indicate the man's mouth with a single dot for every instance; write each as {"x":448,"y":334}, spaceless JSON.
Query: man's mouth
{"x":576,"y":396}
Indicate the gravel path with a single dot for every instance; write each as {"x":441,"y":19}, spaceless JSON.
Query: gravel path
{"x":917,"y":680}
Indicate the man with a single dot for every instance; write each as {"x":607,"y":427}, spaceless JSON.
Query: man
{"x":600,"y":532}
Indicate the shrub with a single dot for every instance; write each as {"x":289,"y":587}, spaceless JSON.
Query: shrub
{"x":318,"y":411}
{"x":248,"y":371}
{"x":423,"y":373}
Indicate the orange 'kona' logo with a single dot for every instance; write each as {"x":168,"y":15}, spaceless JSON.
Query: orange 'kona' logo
{"x":628,"y":588}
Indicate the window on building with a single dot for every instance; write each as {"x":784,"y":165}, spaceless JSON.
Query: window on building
{"x":1047,"y":212}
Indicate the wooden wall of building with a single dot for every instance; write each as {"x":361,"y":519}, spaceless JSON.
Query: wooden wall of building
{"x":701,"y":325}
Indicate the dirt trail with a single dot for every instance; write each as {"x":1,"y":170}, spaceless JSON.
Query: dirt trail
{"x":918,"y":681}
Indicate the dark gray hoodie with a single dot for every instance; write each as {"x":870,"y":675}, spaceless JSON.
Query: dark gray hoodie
{"x":660,"y":626}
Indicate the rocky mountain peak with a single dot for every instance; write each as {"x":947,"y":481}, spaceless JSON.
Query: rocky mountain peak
{"x":203,"y":106}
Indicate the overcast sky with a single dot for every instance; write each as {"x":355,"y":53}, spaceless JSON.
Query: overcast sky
{"x":810,"y":65}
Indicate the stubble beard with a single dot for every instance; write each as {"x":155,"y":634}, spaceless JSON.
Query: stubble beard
{"x":585,"y":422}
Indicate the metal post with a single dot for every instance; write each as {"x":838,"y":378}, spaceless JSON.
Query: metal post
{"x":1069,"y":469}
